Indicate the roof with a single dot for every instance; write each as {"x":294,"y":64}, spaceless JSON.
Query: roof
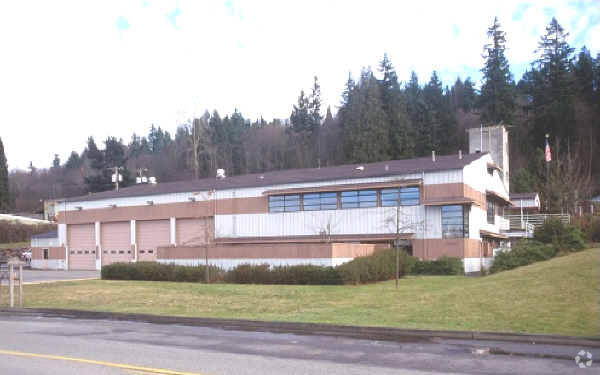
{"x":51,"y":234}
{"x":290,"y":176}
{"x":514,"y":196}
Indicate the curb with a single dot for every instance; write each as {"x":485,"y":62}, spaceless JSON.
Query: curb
{"x":357,"y":332}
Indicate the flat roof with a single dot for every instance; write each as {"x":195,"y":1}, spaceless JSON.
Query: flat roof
{"x":290,"y":176}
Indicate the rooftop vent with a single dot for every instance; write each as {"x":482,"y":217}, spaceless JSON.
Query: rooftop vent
{"x":360,"y":168}
{"x":387,"y":167}
{"x":433,"y":155}
{"x":460,"y":154}
{"x":262,"y":177}
{"x":152,"y":180}
{"x":220,"y":173}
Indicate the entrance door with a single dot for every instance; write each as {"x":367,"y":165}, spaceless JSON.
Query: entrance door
{"x":152,"y":234}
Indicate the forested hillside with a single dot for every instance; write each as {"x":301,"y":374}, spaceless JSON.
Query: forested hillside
{"x":378,"y":118}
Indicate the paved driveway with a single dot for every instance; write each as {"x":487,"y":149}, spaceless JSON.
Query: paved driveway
{"x":36,"y":276}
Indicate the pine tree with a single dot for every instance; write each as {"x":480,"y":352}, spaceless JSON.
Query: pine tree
{"x":497,"y":97}
{"x":394,"y":105}
{"x":554,"y":87}
{"x":4,"y":191}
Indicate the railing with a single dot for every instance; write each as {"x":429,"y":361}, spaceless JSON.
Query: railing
{"x":503,"y":223}
{"x":531,"y":221}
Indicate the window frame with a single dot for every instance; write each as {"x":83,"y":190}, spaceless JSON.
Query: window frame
{"x":284,"y":199}
{"x":45,"y":253}
{"x":320,"y":201}
{"x":490,"y":204}
{"x":399,"y":192}
{"x":370,"y":199}
{"x":461,"y":226}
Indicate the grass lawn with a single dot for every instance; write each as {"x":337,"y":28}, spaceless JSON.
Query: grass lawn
{"x":560,"y":296}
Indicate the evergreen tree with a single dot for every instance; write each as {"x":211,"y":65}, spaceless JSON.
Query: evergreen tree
{"x":74,"y":161}
{"x":418,"y":115}
{"x":366,"y":127}
{"x":497,"y":97}
{"x":394,"y":105}
{"x":4,"y":191}
{"x":554,"y":90}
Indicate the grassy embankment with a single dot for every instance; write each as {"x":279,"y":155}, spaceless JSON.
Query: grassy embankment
{"x":559,"y":296}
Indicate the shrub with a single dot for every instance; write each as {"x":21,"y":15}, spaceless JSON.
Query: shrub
{"x":153,"y":271}
{"x":377,"y":267}
{"x":300,"y":275}
{"x":442,"y":266}
{"x":565,"y":237}
{"x":590,"y":226}
{"x":523,"y":253}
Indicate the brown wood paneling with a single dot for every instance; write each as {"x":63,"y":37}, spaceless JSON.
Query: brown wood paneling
{"x":53,"y":252}
{"x":252,"y":251}
{"x":164,"y":211}
{"x":436,"y":247}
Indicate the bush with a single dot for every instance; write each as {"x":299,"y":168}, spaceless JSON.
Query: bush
{"x":565,"y":237}
{"x":523,"y":253}
{"x":300,"y":275}
{"x":154,"y":271}
{"x":442,"y":266}
{"x":377,"y":267}
{"x":590,"y":226}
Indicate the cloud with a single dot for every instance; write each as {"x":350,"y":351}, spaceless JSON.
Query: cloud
{"x":122,"y":23}
{"x":71,"y":73}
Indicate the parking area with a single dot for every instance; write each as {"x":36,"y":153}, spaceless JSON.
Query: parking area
{"x":40,"y":276}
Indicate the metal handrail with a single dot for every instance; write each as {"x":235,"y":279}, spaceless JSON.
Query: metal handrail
{"x":535,"y":220}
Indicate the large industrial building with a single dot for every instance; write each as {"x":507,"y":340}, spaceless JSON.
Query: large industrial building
{"x":441,"y":205}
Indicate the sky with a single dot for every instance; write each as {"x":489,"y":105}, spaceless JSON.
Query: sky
{"x":71,"y":69}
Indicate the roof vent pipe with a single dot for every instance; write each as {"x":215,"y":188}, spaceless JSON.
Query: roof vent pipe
{"x":460,"y":154}
{"x":433,"y":155}
{"x":220,"y":173}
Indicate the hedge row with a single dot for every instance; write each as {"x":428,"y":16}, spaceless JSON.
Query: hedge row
{"x":154,"y":271}
{"x":377,"y":267}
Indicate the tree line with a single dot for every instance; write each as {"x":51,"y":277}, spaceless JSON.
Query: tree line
{"x":379,"y":118}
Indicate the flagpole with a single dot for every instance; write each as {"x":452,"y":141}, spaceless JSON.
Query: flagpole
{"x":546,"y":156}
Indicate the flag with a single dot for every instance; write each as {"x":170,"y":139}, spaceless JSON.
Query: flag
{"x":548,"y":153}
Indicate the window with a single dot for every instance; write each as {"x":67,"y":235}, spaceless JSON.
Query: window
{"x":45,"y":253}
{"x":455,"y":221}
{"x":409,"y":196}
{"x":359,"y":199}
{"x":491,"y":211}
{"x":319,"y":201}
{"x":284,"y":203}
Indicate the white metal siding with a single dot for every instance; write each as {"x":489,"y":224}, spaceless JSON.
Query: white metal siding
{"x":377,"y":220}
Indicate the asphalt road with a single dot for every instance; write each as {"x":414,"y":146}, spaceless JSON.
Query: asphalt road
{"x":39,"y":345}
{"x":36,"y":276}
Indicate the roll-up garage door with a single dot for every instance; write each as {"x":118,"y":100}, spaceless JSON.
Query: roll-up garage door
{"x":150,"y":235}
{"x":193,"y":232}
{"x":115,"y":241}
{"x":81,"y":240}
